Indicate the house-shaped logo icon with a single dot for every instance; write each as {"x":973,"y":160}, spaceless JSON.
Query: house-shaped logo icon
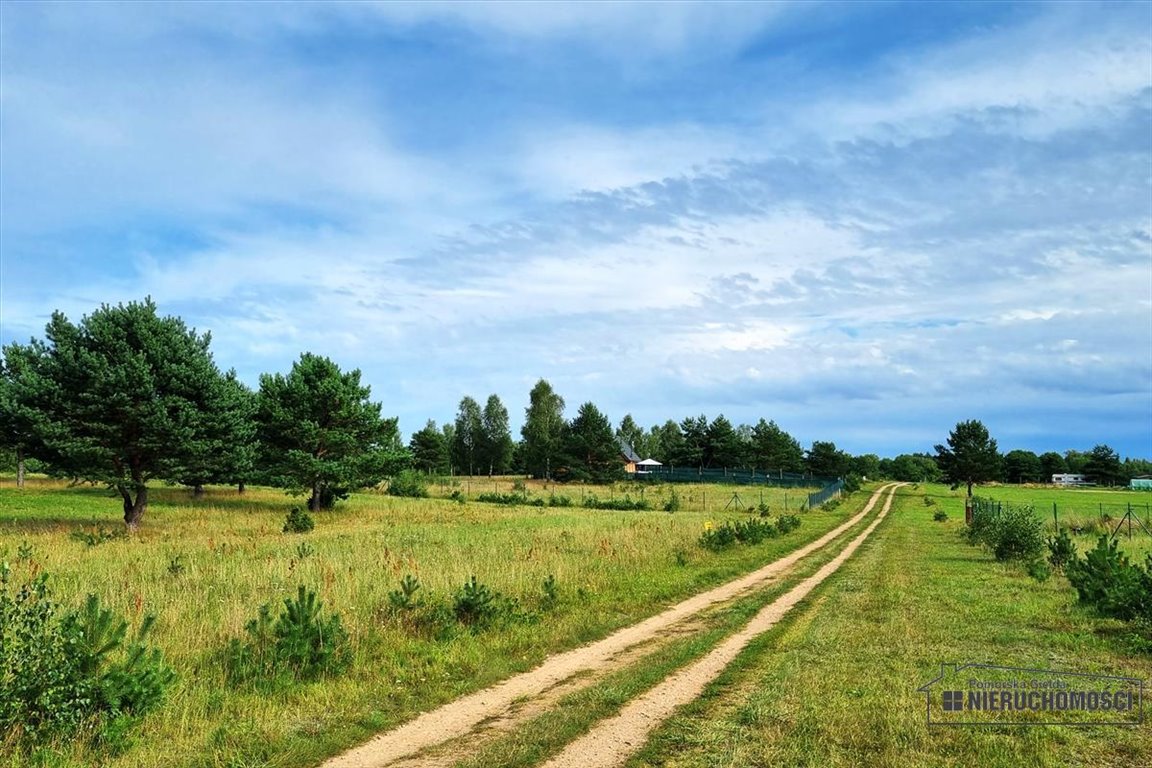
{"x":988,"y":694}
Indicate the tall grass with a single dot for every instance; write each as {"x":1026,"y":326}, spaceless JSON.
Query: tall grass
{"x":204,"y":566}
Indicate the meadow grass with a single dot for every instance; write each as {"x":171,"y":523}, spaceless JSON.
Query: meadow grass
{"x":551,"y":731}
{"x":835,"y":683}
{"x":204,"y":566}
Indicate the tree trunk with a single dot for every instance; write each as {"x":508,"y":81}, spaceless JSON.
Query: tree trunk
{"x":197,"y":491}
{"x":314,"y":501}
{"x":19,"y":467}
{"x":240,"y":487}
{"x":134,"y":510}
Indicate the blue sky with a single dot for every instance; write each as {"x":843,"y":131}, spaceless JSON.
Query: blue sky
{"x":864,"y":221}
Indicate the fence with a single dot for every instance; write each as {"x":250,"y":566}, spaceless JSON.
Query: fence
{"x":777,"y":478}
{"x":832,"y":490}
{"x":1113,"y":519}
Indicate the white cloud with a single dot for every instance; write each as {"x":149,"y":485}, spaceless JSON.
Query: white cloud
{"x":624,"y":29}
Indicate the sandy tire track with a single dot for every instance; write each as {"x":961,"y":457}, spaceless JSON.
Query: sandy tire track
{"x":458,"y":718}
{"x":612,"y":741}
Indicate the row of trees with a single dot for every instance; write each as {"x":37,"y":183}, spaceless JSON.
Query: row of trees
{"x":125,"y":397}
{"x":480,"y":441}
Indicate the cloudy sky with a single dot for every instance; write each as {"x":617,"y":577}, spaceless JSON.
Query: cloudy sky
{"x":865,"y":221}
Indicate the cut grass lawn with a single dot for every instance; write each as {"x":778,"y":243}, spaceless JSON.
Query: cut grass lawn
{"x":835,"y":685}
{"x":205,"y":566}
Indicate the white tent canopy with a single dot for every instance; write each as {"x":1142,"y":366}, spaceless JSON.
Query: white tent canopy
{"x":649,"y":463}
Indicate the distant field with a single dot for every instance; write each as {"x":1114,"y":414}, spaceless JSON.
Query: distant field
{"x":611,"y":569}
{"x":1093,"y":511}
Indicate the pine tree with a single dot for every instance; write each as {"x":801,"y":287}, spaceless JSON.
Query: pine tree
{"x":124,"y":397}
{"x":970,"y":457}
{"x":320,"y":434}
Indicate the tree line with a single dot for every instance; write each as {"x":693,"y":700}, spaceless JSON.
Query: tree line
{"x":126,"y":397}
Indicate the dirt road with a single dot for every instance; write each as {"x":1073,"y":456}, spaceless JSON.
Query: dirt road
{"x":610,"y":742}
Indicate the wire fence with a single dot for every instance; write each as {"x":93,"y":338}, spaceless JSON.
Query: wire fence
{"x":1114,"y":519}
{"x":830,"y":491}
{"x":773,"y":478}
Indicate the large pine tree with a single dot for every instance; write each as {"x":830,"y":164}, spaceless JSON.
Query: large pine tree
{"x":123,"y":397}
{"x":970,"y":457}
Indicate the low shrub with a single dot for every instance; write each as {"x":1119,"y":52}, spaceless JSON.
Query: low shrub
{"x":673,"y":503}
{"x":475,"y":604}
{"x":98,"y":535}
{"x":940,"y":516}
{"x":1010,"y":532}
{"x":1039,"y":569}
{"x":63,"y":673}
{"x":510,"y":499}
{"x":717,"y":538}
{"x":550,"y":594}
{"x":408,"y":484}
{"x":625,"y":504}
{"x":298,"y":521}
{"x":1061,"y":549}
{"x":300,"y":643}
{"x":751,"y":531}
{"x":788,"y":523}
{"x":1115,"y":587}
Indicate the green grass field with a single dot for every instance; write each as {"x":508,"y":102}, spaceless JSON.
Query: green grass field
{"x":835,"y":685}
{"x":611,"y":568}
{"x":832,"y":685}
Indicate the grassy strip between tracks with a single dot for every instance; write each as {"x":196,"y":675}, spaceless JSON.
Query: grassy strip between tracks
{"x":535,"y":740}
{"x":835,"y":685}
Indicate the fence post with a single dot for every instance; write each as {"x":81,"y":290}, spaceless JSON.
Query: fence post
{"x":968,"y":510}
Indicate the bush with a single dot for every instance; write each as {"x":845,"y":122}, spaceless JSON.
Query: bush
{"x":1018,"y":535}
{"x":420,"y":614}
{"x":1061,"y":550}
{"x":673,"y":503}
{"x":59,"y":675}
{"x":1012,"y":533}
{"x":620,"y":505}
{"x":1106,"y":580}
{"x":788,"y":523}
{"x":475,"y":604}
{"x":940,"y":516}
{"x":409,"y":484}
{"x":300,"y":642}
{"x":405,"y":599}
{"x":1039,"y":570}
{"x":510,"y":499}
{"x":298,"y":521}
{"x":717,"y":538}
{"x":752,"y":531}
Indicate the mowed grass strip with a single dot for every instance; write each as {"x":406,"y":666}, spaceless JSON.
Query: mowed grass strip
{"x":205,"y":566}
{"x":835,"y":684}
